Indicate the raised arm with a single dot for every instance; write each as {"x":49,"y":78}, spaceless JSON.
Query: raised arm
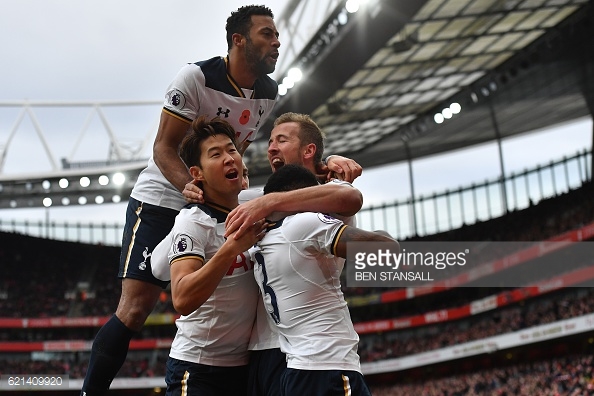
{"x":243,"y":146}
{"x":165,"y":150}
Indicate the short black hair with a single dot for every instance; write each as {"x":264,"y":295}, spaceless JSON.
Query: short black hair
{"x":290,"y":177}
{"x":240,"y":21}
{"x":202,"y":128}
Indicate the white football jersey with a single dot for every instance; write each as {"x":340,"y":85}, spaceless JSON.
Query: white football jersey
{"x":218,"y":332}
{"x":205,"y":88}
{"x":265,"y":333}
{"x":299,"y":279}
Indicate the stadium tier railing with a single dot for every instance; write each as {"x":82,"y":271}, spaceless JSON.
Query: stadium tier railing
{"x":416,"y":216}
{"x":454,"y":208}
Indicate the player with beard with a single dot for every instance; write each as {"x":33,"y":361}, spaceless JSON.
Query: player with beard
{"x":297,"y":140}
{"x":299,"y":262}
{"x":236,"y":88}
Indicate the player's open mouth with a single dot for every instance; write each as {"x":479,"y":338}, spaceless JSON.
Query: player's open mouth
{"x":232,"y":174}
{"x":277,"y":163}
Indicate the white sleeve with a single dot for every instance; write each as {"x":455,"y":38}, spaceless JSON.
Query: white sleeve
{"x":348,"y":220}
{"x":184,"y":92}
{"x":249,"y":194}
{"x":192,"y":230}
{"x":315,"y":231}
{"x":191,"y":233}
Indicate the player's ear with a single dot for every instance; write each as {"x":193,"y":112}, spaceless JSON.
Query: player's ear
{"x":196,"y":173}
{"x":238,"y":39}
{"x":310,"y":151}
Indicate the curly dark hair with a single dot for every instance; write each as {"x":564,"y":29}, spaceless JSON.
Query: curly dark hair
{"x":290,"y":177}
{"x":240,"y":21}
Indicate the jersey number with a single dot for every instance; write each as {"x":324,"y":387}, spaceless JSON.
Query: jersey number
{"x":267,"y":290}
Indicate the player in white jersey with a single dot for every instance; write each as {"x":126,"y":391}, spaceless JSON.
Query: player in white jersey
{"x":298,"y":269}
{"x":205,"y":88}
{"x":212,"y":283}
{"x":238,"y":89}
{"x":295,"y":139}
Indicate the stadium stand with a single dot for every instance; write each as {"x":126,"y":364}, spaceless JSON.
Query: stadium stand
{"x":570,"y":375}
{"x":533,"y":339}
{"x":54,"y":295}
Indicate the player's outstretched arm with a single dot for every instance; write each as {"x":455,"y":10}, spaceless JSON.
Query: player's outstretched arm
{"x":354,"y":234}
{"x":165,"y":150}
{"x":340,"y":198}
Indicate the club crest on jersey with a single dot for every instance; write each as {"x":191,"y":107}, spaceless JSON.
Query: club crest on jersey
{"x":324,"y":218}
{"x":260,"y":113}
{"x":176,"y":99}
{"x":182,"y":243}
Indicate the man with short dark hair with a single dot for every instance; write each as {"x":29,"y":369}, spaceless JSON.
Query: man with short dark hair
{"x":298,"y":267}
{"x":295,"y":139}
{"x":212,"y":284}
{"x":238,"y":89}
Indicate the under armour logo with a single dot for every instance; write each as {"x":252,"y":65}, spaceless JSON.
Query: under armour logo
{"x":146,"y":255}
{"x":226,"y":112}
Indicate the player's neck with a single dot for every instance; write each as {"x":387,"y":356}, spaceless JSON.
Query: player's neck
{"x":237,"y":68}
{"x":309,"y":165}
{"x":229,"y":201}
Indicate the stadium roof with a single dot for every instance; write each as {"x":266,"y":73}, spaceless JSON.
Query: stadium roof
{"x":375,"y":83}
{"x":375,"y":79}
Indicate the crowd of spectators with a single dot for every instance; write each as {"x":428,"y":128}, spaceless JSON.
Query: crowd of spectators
{"x":47,"y":278}
{"x":567,"y":376}
{"x":555,"y":264}
{"x":80,"y":280}
{"x":567,"y":303}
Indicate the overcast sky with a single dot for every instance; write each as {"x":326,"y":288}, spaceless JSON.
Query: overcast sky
{"x":67,"y":50}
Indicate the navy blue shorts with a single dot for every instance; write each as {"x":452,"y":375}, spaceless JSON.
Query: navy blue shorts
{"x":323,"y":382}
{"x":146,"y":226}
{"x":193,"y":379}
{"x":265,"y":371}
